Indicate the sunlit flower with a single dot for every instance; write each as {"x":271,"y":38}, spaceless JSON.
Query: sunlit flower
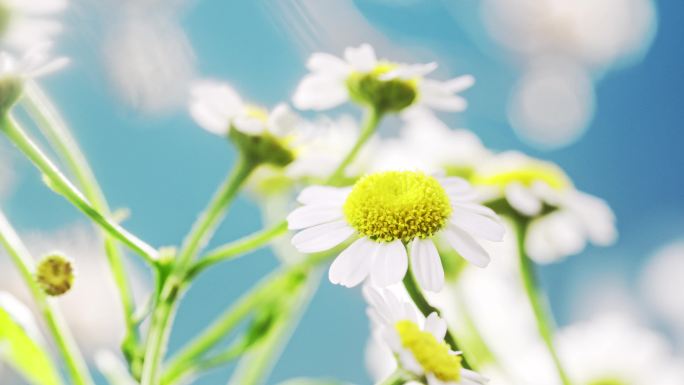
{"x":531,"y":187}
{"x":382,"y":84}
{"x":390,"y":212}
{"x":24,"y":23}
{"x":418,"y":344}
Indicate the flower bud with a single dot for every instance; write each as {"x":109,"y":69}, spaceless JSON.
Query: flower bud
{"x":55,"y":274}
{"x":11,"y":88}
{"x":263,"y":148}
{"x":385,"y":95}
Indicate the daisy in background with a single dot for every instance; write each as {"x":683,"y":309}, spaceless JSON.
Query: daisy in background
{"x":25,"y":23}
{"x":217,"y":108}
{"x":382,"y":84}
{"x":417,"y":343}
{"x":531,"y":187}
{"x":427,"y":144}
{"x":614,"y":350}
{"x":388,"y":212}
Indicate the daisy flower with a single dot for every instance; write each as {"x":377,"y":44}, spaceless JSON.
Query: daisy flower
{"x":382,"y":84}
{"x":14,"y":72}
{"x":217,"y":108}
{"x":426,"y":143}
{"x":613,"y":350}
{"x":418,"y":344}
{"x":530,"y":187}
{"x":25,"y":23}
{"x":389,"y":212}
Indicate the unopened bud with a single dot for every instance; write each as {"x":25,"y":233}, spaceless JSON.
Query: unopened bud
{"x":55,"y":274}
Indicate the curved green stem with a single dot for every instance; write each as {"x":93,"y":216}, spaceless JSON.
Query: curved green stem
{"x":398,"y":377}
{"x":255,"y":367}
{"x":372,"y":120}
{"x":270,"y":286}
{"x":78,"y":370}
{"x":537,"y":299}
{"x":60,"y":184}
{"x":426,"y":308}
{"x":189,"y":369}
{"x":60,"y":138}
{"x":199,"y":235}
{"x":237,"y":248}
{"x":206,"y":224}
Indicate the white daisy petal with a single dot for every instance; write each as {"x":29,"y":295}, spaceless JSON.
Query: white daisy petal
{"x":322,"y":237}
{"x":353,"y":264}
{"x":323,"y":195}
{"x":391,"y":264}
{"x":426,"y":264}
{"x":324,"y":62}
{"x":361,"y":58}
{"x":319,"y":92}
{"x":460,"y":83}
{"x":249,"y":125}
{"x":466,"y":246}
{"x":436,"y":326}
{"x":481,"y":226}
{"x":282,"y":120}
{"x":522,"y":199}
{"x":312,"y":215}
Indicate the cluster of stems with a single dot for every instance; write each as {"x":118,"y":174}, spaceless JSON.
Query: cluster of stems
{"x":269,"y":311}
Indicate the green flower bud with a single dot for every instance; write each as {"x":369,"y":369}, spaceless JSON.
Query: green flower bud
{"x":264,"y":148}
{"x":392,"y":95}
{"x":11,"y":89}
{"x":55,"y":274}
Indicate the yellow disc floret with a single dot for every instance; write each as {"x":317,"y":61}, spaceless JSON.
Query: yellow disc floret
{"x":527,"y":175}
{"x":433,"y":356}
{"x":397,"y":205}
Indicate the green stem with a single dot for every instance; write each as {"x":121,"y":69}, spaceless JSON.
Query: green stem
{"x":398,"y":377}
{"x":206,"y":224}
{"x":255,"y":367}
{"x":63,"y":186}
{"x":237,"y":248}
{"x":227,"y":322}
{"x":537,"y":299}
{"x":426,"y":308}
{"x":372,"y":120}
{"x":189,"y":369}
{"x":199,"y":235}
{"x":58,"y":134}
{"x":75,"y":363}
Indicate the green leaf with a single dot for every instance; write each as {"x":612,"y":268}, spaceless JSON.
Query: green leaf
{"x":26,"y":356}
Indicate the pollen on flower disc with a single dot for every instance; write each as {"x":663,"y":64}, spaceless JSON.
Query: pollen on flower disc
{"x":397,"y":205}
{"x":433,"y":356}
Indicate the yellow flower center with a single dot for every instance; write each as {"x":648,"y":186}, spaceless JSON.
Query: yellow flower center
{"x":528,"y":175}
{"x":397,"y":205}
{"x":257,"y":113}
{"x":433,"y":356}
